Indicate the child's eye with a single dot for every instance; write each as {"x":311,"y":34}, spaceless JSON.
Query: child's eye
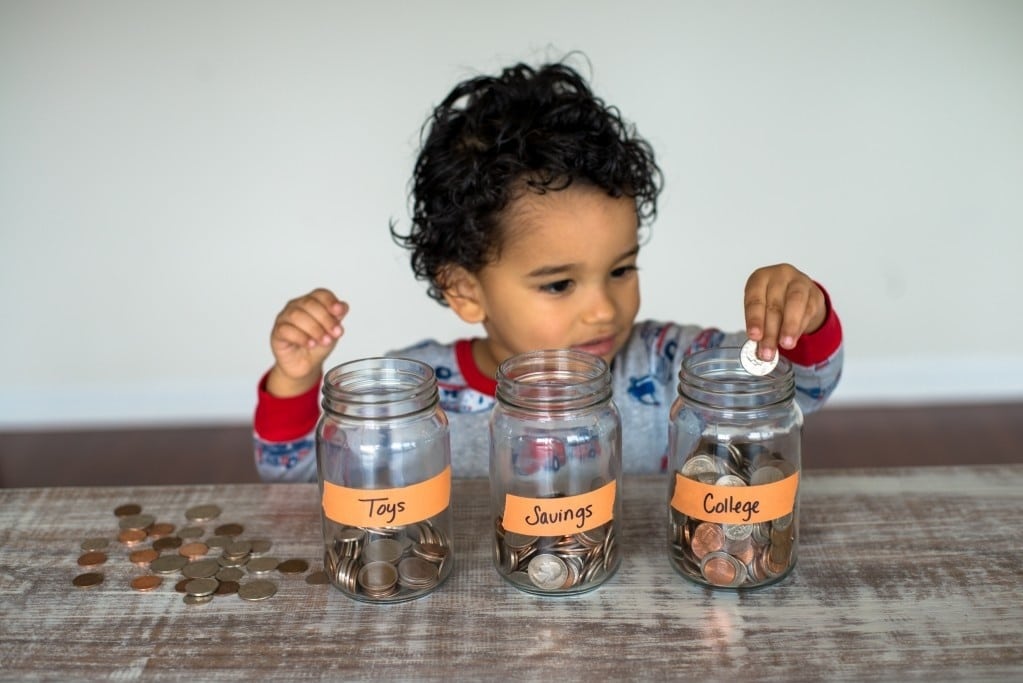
{"x":623,"y":270}
{"x":559,"y":287}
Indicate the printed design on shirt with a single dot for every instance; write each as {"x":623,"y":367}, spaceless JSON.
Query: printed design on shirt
{"x":283,"y":455}
{"x":458,"y":398}
{"x":706,"y":339}
{"x":644,"y":390}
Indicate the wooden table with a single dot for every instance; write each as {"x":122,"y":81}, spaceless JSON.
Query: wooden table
{"x":903,"y":574}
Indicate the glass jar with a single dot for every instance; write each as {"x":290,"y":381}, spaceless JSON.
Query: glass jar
{"x":734,"y":462}
{"x":555,"y":472}
{"x":383,"y":456}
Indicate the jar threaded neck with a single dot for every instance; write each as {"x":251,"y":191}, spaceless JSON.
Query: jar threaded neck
{"x":553,"y":380}
{"x":379,"y":388}
{"x":715,"y":377}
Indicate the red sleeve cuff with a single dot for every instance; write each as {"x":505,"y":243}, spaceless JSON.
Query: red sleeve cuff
{"x":818,"y":346}
{"x":286,"y":419}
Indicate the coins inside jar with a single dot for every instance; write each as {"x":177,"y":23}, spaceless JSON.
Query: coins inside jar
{"x":740,"y":554}
{"x":387,"y":563}
{"x":556,"y":564}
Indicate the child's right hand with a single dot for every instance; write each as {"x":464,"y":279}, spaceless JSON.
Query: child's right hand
{"x":304,"y":333}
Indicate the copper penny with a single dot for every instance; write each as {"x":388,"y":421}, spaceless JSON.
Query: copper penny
{"x":229,"y":530}
{"x":146,"y":583}
{"x":167,"y":543}
{"x":293,"y":566}
{"x":707,"y":538}
{"x":88,"y":580}
{"x":131,"y":536}
{"x":193,"y":550}
{"x":161,"y":529}
{"x":127,"y":509}
{"x":226,"y":588}
{"x":92,"y":558}
{"x":143,"y":557}
{"x":719,"y":571}
{"x":180,"y":585}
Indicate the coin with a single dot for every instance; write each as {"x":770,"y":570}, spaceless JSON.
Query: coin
{"x":131,"y":536}
{"x":98,"y":543}
{"x":317,"y":578}
{"x":752,"y":364}
{"x":92,"y":558}
{"x":201,"y":569}
{"x":548,"y":572}
{"x":196,"y":599}
{"x":202,"y":513}
{"x":139,"y":522}
{"x":167,"y":543}
{"x":161,"y":529}
{"x":167,"y":564}
{"x":262,"y":565}
{"x":230,"y":574}
{"x":259,"y":589}
{"x":193,"y":550}
{"x":707,"y":538}
{"x":191,"y":532}
{"x":201,"y":586}
{"x":143,"y":557}
{"x":292,"y":566}
{"x":231,"y":529}
{"x":88,"y":580}
{"x":227,"y":588}
{"x":384,"y":549}
{"x":127,"y":509}
{"x":145,"y":583}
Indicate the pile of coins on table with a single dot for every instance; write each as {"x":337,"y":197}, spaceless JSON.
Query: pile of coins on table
{"x":386,"y":564}
{"x":242,"y":566}
{"x":553,"y":564}
{"x":733,"y":555}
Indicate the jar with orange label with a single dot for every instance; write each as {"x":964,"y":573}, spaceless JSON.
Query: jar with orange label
{"x":384,"y":462}
{"x":555,"y":472}
{"x":734,"y":467}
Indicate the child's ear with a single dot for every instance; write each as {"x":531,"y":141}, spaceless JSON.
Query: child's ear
{"x":462,"y":292}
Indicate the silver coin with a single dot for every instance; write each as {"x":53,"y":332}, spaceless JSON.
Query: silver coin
{"x":139,"y":521}
{"x":752,"y":364}
{"x":201,"y":586}
{"x":382,"y":550}
{"x":262,"y":565}
{"x":548,"y":572}
{"x":167,"y":564}
{"x":202,"y":513}
{"x":701,"y":463}
{"x":201,"y":569}
{"x":93,"y":544}
{"x":730,"y":480}
{"x":230,"y":574}
{"x":197,"y":599}
{"x":260,"y":589}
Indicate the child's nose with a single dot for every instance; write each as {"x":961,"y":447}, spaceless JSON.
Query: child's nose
{"x":600,"y":306}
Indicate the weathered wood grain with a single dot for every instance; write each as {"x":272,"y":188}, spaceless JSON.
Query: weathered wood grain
{"x":903,"y":574}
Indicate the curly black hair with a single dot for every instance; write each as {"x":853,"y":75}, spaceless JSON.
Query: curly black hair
{"x":542,"y":128}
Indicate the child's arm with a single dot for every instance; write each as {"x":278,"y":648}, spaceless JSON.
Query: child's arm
{"x":303,"y":335}
{"x":782,"y":304}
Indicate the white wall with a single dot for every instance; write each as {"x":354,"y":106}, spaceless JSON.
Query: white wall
{"x":172,"y":172}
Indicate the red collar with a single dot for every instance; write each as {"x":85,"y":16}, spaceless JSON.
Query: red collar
{"x":474,"y":378}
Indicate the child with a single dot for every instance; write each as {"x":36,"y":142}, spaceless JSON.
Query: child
{"x":528,"y":196}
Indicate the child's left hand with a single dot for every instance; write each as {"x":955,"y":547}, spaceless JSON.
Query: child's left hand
{"x":781,"y":303}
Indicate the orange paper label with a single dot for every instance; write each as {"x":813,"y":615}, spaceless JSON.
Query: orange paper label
{"x":387,"y":507}
{"x":735,"y":504}
{"x":559,"y":516}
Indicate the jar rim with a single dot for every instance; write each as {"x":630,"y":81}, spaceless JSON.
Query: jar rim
{"x":715,"y":376}
{"x":379,"y":387}
{"x":553,"y":379}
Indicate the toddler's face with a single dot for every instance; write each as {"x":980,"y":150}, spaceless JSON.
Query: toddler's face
{"x":565,"y":277}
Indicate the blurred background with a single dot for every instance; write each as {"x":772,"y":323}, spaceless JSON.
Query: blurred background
{"x":172,"y":173}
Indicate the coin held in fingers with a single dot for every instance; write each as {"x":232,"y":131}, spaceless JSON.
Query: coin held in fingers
{"x":752,"y":364}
